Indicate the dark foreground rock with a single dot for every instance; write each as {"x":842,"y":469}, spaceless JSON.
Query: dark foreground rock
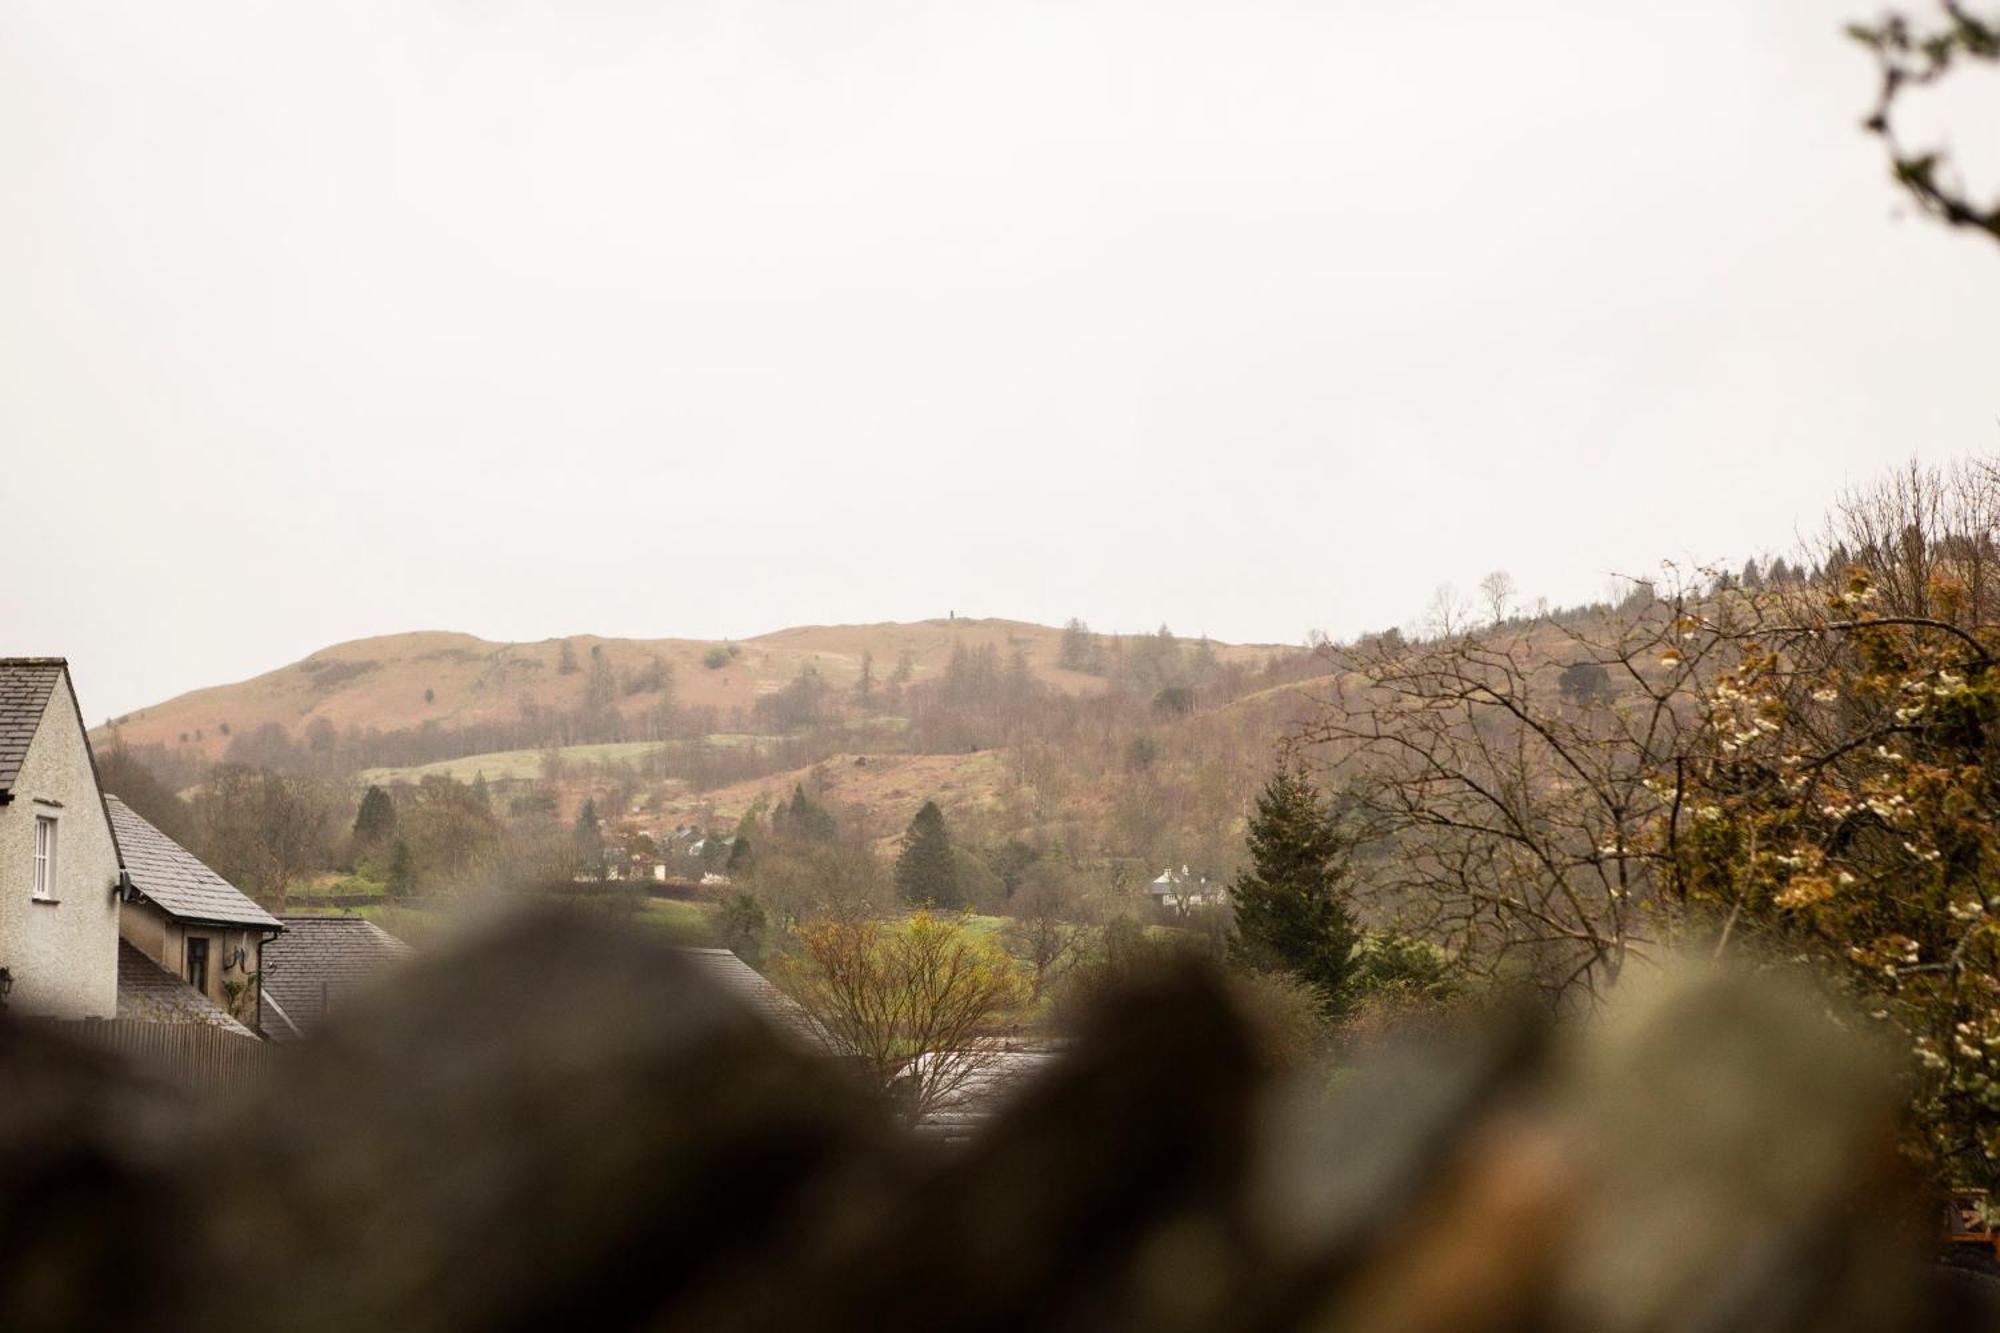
{"x":562,"y":1126}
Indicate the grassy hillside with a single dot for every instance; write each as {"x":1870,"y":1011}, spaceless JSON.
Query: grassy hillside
{"x":410,"y":681}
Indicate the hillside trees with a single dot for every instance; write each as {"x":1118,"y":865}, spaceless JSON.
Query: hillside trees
{"x":801,"y":703}
{"x":132,"y":780}
{"x":803,"y":819}
{"x":1291,"y":911}
{"x":1078,"y":649}
{"x":1523,"y":822}
{"x":449,"y":834}
{"x":263,"y":831}
{"x":837,"y":879}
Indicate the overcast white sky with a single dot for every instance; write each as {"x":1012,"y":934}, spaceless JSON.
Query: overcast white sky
{"x":708,"y":317}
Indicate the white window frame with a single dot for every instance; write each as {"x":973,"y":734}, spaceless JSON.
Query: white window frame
{"x":47,"y":856}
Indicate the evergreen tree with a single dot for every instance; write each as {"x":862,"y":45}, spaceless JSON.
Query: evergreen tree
{"x":802,"y":817}
{"x":482,"y":796}
{"x":743,"y":924}
{"x":589,"y":837}
{"x":1291,"y":906}
{"x":1077,"y":650}
{"x":864,"y":689}
{"x":375,"y":821}
{"x":926,"y":870}
{"x":402,"y":875}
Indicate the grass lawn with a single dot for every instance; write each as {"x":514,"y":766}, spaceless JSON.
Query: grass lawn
{"x":410,"y":924}
{"x":504,"y":765}
{"x":689,"y":924}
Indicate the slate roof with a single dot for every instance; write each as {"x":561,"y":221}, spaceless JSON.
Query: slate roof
{"x":149,"y":993}
{"x":317,"y":964}
{"x":25,"y":686}
{"x":747,"y":986}
{"x":169,"y":875}
{"x":987,"y":1092}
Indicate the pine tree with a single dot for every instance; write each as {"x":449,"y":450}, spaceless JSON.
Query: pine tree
{"x":402,"y":876}
{"x":802,"y":817}
{"x":375,"y":821}
{"x":1077,"y":650}
{"x":926,"y":870}
{"x":589,"y":836}
{"x":1291,"y":905}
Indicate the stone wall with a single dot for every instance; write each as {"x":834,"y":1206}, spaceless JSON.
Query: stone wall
{"x":560,"y":1124}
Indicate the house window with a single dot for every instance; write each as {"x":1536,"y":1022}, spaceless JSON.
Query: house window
{"x":45,"y":856}
{"x":197,"y":960}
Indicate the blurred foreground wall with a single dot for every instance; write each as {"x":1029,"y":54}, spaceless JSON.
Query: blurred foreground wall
{"x":560,"y":1125}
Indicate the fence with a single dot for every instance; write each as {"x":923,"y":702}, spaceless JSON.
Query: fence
{"x":194,"y":1055}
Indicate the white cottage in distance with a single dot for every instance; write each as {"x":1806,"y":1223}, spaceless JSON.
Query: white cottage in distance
{"x":1181,"y":890}
{"x":60,"y":871}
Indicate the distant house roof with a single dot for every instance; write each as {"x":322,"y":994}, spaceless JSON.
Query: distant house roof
{"x":170,"y":876}
{"x":1171,"y":879}
{"x":986,"y":1092}
{"x":25,"y":686}
{"x":149,"y":993}
{"x":317,"y":964}
{"x":750,"y":988}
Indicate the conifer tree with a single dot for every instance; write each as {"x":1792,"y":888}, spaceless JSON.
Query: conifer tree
{"x":802,"y":817}
{"x":375,"y":821}
{"x":1291,"y":906}
{"x":402,"y":875}
{"x":926,"y":870}
{"x":589,"y":836}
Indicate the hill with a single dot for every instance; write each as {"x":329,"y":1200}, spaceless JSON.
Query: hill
{"x":457,"y":682}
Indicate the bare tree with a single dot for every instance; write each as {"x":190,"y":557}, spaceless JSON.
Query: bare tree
{"x":1924,"y":536}
{"x":800,"y":879}
{"x":1497,"y":590}
{"x":1044,"y":932}
{"x":1447,"y":615}
{"x":916,"y":1002}
{"x":264,"y":830}
{"x":1524,"y":824}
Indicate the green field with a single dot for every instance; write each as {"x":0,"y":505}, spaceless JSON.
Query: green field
{"x":503,"y":765}
{"x":690,"y":924}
